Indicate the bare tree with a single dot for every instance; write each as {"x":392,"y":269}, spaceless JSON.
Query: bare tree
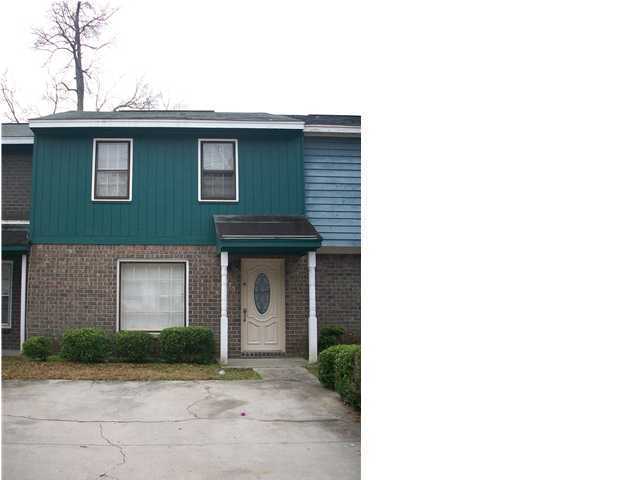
{"x":13,"y":111}
{"x":55,"y":94}
{"x":168,"y":104}
{"x":16,"y":111}
{"x":142,"y":98}
{"x":72,"y":30}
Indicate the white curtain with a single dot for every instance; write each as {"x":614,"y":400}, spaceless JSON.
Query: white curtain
{"x":112,"y":156}
{"x":218,"y":185}
{"x":111,"y":184}
{"x":152,"y":296}
{"x":6,"y":292}
{"x":220,"y":157}
{"x":217,"y":156}
{"x":6,"y":278}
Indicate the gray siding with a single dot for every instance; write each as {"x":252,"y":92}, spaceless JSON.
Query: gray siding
{"x":332,"y":189}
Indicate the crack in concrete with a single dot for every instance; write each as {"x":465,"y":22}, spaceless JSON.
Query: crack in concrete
{"x":43,"y":419}
{"x":192,"y":444}
{"x":115,"y":445}
{"x":208,"y":396}
{"x":183,"y":420}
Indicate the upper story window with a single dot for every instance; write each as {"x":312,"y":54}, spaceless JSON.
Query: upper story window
{"x":218,"y":170}
{"x":112,"y":166}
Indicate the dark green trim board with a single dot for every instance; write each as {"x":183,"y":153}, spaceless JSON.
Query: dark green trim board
{"x":267,"y":246}
{"x":13,"y":249}
{"x":164,"y":208}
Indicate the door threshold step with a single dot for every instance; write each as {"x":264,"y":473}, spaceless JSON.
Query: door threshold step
{"x":266,"y":362}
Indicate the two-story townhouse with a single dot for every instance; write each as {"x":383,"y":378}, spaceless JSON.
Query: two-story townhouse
{"x":17,"y":149}
{"x":245,"y":223}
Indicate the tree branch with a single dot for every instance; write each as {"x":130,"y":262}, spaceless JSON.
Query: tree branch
{"x":142,"y":98}
{"x":74,"y":26}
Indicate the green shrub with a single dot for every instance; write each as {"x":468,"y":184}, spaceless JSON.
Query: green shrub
{"x":186,"y":344}
{"x":345,"y":367}
{"x":357,"y":375}
{"x":334,"y":331}
{"x":327,"y":366}
{"x":38,"y":348}
{"x":133,"y":346}
{"x":329,"y":336}
{"x":86,"y":345}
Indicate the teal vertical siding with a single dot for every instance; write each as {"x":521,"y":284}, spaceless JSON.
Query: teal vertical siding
{"x":332,"y":189}
{"x":164,"y":207}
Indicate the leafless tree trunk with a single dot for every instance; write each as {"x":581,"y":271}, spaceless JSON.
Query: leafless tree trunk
{"x":70,"y":31}
{"x":78,"y":59}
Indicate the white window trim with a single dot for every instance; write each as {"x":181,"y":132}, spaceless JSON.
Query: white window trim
{"x":153,"y":260}
{"x":93,"y":171}
{"x":17,"y":140}
{"x":321,"y":130}
{"x":15,"y":222}
{"x":237,"y":171}
{"x":8,"y":323}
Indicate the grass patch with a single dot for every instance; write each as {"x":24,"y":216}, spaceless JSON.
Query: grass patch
{"x":313,"y":368}
{"x":21,"y":368}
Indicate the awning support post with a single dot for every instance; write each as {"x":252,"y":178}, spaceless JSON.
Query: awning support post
{"x":23,"y":301}
{"x":224,"y":320}
{"x":313,"y":320}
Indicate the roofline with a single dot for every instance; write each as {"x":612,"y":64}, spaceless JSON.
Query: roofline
{"x":164,"y":123}
{"x":17,"y":140}
{"x":331,"y":129}
{"x":269,"y":237}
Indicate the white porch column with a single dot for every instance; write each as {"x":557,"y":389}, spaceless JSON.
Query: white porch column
{"x":224,"y":320}
{"x":23,"y":301}
{"x":313,"y":320}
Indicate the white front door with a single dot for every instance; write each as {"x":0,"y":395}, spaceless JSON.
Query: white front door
{"x":263,"y":324}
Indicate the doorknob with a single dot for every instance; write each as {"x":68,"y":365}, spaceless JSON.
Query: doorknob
{"x":245,"y":315}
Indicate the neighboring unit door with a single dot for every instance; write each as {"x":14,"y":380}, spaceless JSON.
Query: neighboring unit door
{"x":263,"y":315}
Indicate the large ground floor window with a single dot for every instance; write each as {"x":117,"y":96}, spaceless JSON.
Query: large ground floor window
{"x":153,"y":295}
{"x":7,"y":274}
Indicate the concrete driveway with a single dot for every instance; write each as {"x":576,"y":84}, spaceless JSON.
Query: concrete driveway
{"x":292,"y":428}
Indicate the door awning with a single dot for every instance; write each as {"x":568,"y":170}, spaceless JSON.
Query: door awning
{"x":15,"y":238}
{"x":265,"y":233}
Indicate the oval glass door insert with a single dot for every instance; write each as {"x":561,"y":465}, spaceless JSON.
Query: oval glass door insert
{"x":262,"y":293}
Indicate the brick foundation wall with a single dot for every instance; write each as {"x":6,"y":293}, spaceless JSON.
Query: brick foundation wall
{"x":11,"y":336}
{"x":76,"y":286}
{"x":338,"y":292}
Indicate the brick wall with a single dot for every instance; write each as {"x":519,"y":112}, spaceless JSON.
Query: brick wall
{"x":75,"y":286}
{"x":16,"y":182}
{"x":296,"y":283}
{"x":11,"y":336}
{"x":338,"y":292}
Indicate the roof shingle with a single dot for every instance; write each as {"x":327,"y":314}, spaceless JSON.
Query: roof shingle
{"x":16,"y":130}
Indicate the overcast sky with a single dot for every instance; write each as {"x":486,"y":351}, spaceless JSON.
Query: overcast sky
{"x":277,"y":57}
